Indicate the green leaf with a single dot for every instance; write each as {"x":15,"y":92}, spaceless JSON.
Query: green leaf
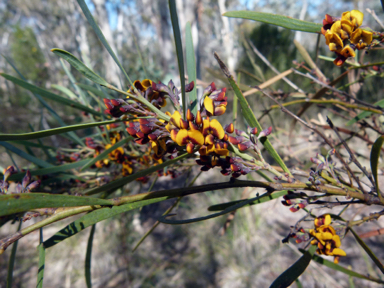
{"x":31,"y":144}
{"x":49,"y":95}
{"x":278,"y":20}
{"x":41,"y":266}
{"x":79,"y":66}
{"x":16,"y":203}
{"x":93,"y":218}
{"x":228,"y":209}
{"x":337,"y":267}
{"x":105,"y":153}
{"x":101,"y":37}
{"x":375,"y":155}
{"x":72,"y":135}
{"x":365,"y":114}
{"x":369,"y":251}
{"x":88,"y":257}
{"x":249,"y":116}
{"x":92,"y":89}
{"x":293,"y":272}
{"x":263,"y":198}
{"x":21,"y":153}
{"x":54,"y":131}
{"x":179,"y":51}
{"x":11,"y":262}
{"x":191,"y":67}
{"x":125,"y":180}
{"x":50,"y":170}
{"x":65,"y":90}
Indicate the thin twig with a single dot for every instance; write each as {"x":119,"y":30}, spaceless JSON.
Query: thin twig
{"x":313,"y":128}
{"x":307,"y":75}
{"x":375,"y":17}
{"x":351,"y":154}
{"x":265,"y":60}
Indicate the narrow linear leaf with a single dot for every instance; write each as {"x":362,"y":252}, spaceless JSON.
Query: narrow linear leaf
{"x":249,"y":116}
{"x":227,"y":210}
{"x":50,"y":170}
{"x":11,"y":263}
{"x":375,"y":155}
{"x":179,"y":51}
{"x":88,"y":257}
{"x":125,"y":180}
{"x":93,"y":218}
{"x":191,"y":67}
{"x":101,"y":37}
{"x":105,"y":153}
{"x":261,"y":199}
{"x":16,"y":203}
{"x":65,"y":90}
{"x":89,"y":88}
{"x":54,"y":131}
{"x":337,"y":267}
{"x":79,"y":66}
{"x":72,"y":135}
{"x":41,"y":266}
{"x":49,"y":95}
{"x":368,"y":250}
{"x":32,"y":144}
{"x":21,"y":153}
{"x":364,"y":114}
{"x":293,"y":272}
{"x":278,"y":20}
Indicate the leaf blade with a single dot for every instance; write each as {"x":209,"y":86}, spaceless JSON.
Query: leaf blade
{"x":179,"y":51}
{"x":191,"y":67}
{"x":93,"y":218}
{"x":374,"y":159}
{"x":88,"y":257}
{"x":294,"y":271}
{"x":368,"y":250}
{"x":340,"y":268}
{"x":16,"y":203}
{"x":101,"y":37}
{"x":53,"y":131}
{"x":79,"y":66}
{"x":278,"y":20}
{"x":50,"y":95}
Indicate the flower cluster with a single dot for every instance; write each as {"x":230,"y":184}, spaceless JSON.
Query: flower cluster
{"x":326,"y":238}
{"x":343,"y":36}
{"x":25,"y":186}
{"x":197,"y":133}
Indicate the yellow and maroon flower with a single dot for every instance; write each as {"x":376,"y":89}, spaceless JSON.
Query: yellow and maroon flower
{"x":189,"y":138}
{"x":215,"y":103}
{"x":326,"y":238}
{"x":361,"y":38}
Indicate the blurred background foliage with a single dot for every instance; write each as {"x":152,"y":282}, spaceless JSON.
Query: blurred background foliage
{"x":173,"y":256}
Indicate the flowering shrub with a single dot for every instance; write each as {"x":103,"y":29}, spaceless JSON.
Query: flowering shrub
{"x":152,"y":129}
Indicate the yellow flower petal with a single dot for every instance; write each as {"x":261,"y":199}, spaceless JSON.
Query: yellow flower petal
{"x":181,"y":138}
{"x":366,"y":36}
{"x":338,"y":252}
{"x":208,"y":104}
{"x":146,"y":83}
{"x":348,"y":51}
{"x":347,"y":26}
{"x":219,"y":129}
{"x":357,"y":17}
{"x":196,"y":137}
{"x":336,"y":241}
